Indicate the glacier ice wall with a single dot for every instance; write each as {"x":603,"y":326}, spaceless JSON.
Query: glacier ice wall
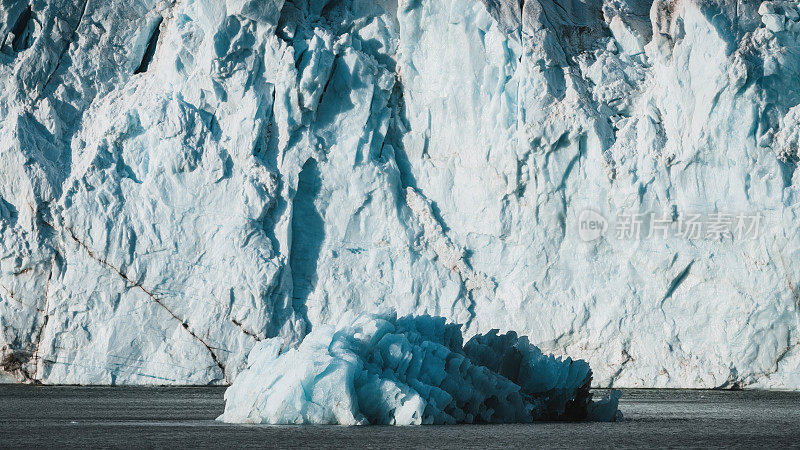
{"x":380,"y":370}
{"x":184,"y":179}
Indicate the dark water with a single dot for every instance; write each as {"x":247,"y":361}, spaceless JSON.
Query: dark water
{"x":34,"y":416}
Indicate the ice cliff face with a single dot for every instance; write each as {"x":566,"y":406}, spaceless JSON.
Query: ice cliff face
{"x":181,"y":180}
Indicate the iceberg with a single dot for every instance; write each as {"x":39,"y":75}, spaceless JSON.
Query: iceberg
{"x":380,"y":370}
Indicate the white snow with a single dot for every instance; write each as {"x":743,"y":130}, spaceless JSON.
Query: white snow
{"x":377,"y":369}
{"x":184,"y":181}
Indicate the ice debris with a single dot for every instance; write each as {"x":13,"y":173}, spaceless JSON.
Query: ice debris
{"x":377,"y":369}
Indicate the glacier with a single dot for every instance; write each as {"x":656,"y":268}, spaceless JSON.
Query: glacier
{"x":185,"y":181}
{"x":379,"y":370}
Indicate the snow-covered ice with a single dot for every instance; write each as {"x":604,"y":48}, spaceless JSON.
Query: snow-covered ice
{"x":377,"y":369}
{"x":183,"y":181}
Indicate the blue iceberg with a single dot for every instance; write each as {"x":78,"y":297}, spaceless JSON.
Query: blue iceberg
{"x":378,"y":369}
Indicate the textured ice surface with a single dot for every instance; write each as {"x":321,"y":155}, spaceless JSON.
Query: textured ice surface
{"x":181,"y":180}
{"x":377,"y":369}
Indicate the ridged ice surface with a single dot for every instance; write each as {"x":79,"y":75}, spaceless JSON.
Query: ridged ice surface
{"x":182,"y":180}
{"x":380,"y":370}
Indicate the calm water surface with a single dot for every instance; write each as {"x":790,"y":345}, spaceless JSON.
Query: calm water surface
{"x":36,"y":416}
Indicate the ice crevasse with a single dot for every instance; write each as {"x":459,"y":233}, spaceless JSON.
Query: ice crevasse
{"x":182,"y":182}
